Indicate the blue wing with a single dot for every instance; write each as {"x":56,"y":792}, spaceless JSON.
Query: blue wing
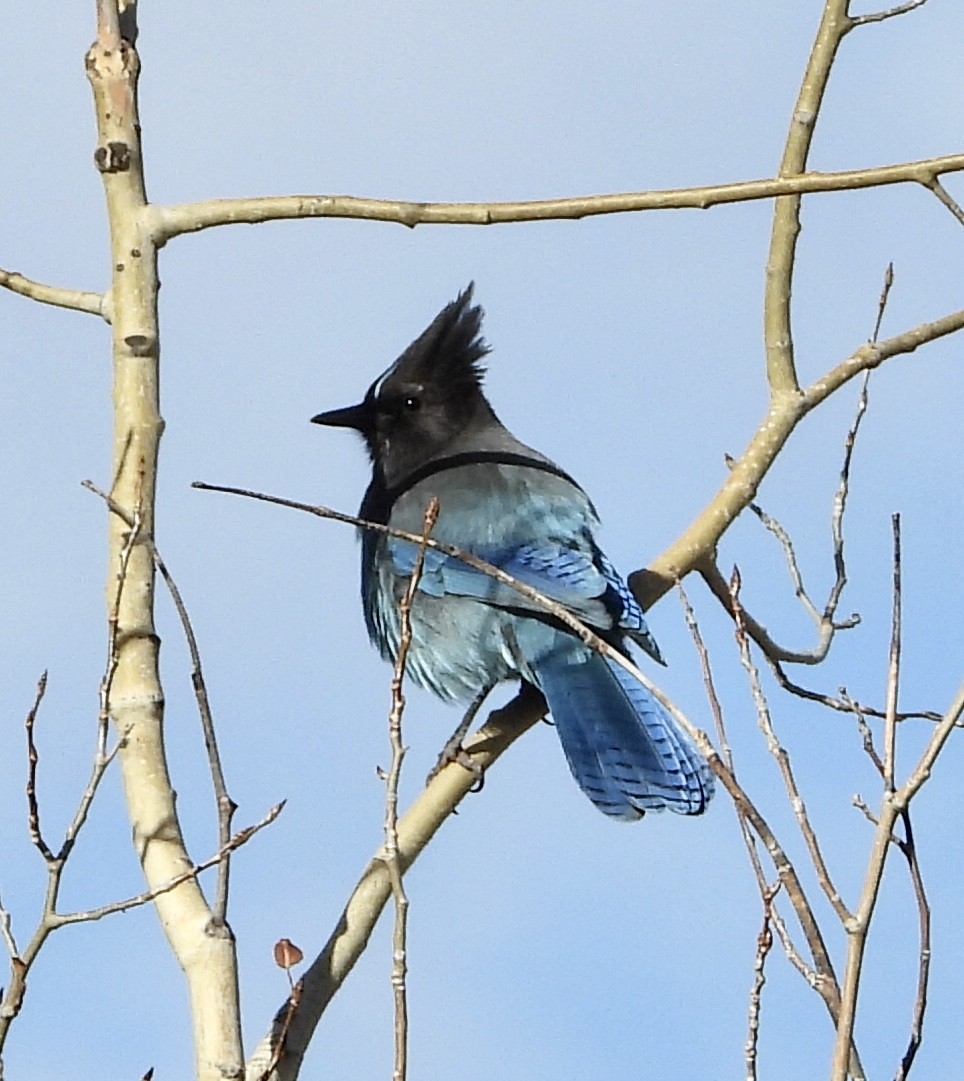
{"x":624,"y":750}
{"x":582,"y":580}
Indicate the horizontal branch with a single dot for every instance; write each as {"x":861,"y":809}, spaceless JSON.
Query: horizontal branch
{"x":172,"y":221}
{"x":92,"y":303}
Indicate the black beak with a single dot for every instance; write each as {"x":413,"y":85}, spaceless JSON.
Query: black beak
{"x":354,"y":416}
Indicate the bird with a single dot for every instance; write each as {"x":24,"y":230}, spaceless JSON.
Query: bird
{"x":430,"y":431}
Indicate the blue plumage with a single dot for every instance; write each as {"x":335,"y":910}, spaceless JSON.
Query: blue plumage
{"x":431,"y":432}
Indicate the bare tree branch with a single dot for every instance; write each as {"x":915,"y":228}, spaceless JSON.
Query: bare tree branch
{"x":894,"y":804}
{"x":890,"y":13}
{"x":947,"y":199}
{"x":33,"y":810}
{"x":774,"y":652}
{"x":171,"y":221}
{"x":782,"y":758}
{"x":204,"y":948}
{"x":763,"y":947}
{"x":242,"y":837}
{"x":91,"y":303}
{"x":752,"y":824}
{"x":858,"y":925}
{"x":740,"y":487}
{"x":768,"y":892}
{"x":893,"y":671}
{"x":225,"y":804}
{"x":392,"y":862}
{"x":909,"y":850}
{"x":6,"y":932}
{"x":348,"y":941}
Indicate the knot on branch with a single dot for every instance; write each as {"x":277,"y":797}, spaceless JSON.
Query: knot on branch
{"x":115,"y":157}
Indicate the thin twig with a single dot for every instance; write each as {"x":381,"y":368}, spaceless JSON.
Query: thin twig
{"x":893,"y":670}
{"x":33,"y":810}
{"x":290,"y":1011}
{"x":708,"y":682}
{"x":12,"y":999}
{"x":796,"y":576}
{"x":242,"y":837}
{"x":909,"y":850}
{"x":843,"y":487}
{"x":782,"y":758}
{"x":6,"y":932}
{"x":947,"y":199}
{"x":845,"y":704}
{"x":559,"y":611}
{"x":859,"y":925}
{"x":749,"y":837}
{"x":890,"y":13}
{"x":866,"y":735}
{"x":850,"y":443}
{"x":763,"y":946}
{"x":775,"y":653}
{"x":392,"y":862}
{"x":882,"y":302}
{"x":861,"y":804}
{"x":225,"y":804}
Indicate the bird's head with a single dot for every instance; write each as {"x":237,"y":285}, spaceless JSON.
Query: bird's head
{"x":428,"y":397}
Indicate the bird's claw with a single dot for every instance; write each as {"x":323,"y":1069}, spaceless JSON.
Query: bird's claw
{"x":454,"y":752}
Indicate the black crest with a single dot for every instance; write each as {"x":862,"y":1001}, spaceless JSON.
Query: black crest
{"x":448,"y":353}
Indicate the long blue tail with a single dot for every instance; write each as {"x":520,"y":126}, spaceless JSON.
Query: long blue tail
{"x":625,"y":751}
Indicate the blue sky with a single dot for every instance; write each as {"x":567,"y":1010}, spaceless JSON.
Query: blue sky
{"x":546,"y":942}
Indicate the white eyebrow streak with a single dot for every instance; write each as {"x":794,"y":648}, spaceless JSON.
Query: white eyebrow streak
{"x":380,"y":381}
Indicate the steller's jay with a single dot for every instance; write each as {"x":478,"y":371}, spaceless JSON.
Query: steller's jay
{"x":431,"y":432}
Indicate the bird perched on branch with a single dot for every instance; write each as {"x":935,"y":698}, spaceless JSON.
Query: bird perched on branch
{"x":430,"y":431}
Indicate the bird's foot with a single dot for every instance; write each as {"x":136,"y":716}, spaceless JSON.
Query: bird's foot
{"x":454,"y":752}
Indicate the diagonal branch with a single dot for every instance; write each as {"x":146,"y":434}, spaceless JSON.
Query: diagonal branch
{"x":945,"y":197}
{"x":73,"y":299}
{"x":242,"y":837}
{"x":436,"y":803}
{"x":740,"y":487}
{"x":890,"y":13}
{"x":585,"y":633}
{"x":349,"y":939}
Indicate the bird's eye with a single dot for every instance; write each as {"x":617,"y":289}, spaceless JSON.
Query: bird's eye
{"x":412,"y":404}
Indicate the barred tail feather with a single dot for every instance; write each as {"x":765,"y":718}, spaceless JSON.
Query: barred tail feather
{"x":624,"y":750}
